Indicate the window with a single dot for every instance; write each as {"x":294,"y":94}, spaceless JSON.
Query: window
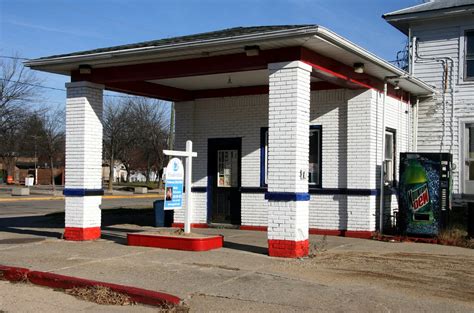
{"x":227,"y":168}
{"x":469,"y":56}
{"x":263,"y":156}
{"x":315,"y":145}
{"x":389,"y":162}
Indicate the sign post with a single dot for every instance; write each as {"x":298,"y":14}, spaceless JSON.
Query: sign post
{"x":188,"y":154}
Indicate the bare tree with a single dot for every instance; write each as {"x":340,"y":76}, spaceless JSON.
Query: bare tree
{"x":17,"y":88}
{"x":53,"y":137}
{"x":117,"y":135}
{"x":150,"y":120}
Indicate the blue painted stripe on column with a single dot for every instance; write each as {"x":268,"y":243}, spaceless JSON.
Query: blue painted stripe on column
{"x":287,"y":196}
{"x":79,"y":192}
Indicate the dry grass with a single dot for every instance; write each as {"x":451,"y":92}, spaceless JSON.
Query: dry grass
{"x":100,"y":295}
{"x":455,"y":236}
{"x":104,"y":295}
{"x":317,"y":247}
{"x":170,"y":308}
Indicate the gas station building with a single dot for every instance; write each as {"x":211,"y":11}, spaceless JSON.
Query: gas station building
{"x":291,"y":124}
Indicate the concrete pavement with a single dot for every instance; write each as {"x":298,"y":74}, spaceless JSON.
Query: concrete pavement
{"x":347,"y":275}
{"x":27,"y":298}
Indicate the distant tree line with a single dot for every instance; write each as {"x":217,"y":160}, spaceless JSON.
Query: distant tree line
{"x":135,"y":128}
{"x":27,"y":128}
{"x":135,"y":134}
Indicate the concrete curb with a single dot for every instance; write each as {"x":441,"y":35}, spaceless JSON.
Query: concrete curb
{"x":144,"y":296}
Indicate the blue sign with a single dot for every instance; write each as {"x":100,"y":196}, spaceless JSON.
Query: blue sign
{"x":174,"y":185}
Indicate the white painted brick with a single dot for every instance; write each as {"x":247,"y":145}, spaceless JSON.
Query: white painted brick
{"x":350,"y":119}
{"x":83,"y":152}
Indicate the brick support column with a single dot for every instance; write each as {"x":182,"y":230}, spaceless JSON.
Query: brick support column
{"x":83,"y":185}
{"x":288,"y":157}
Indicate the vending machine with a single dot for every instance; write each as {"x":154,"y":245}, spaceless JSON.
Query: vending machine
{"x":424,"y":192}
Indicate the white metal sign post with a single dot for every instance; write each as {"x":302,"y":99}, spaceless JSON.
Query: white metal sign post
{"x":188,"y":154}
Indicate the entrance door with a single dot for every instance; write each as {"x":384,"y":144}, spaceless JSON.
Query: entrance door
{"x":224,"y":160}
{"x":468,"y":168}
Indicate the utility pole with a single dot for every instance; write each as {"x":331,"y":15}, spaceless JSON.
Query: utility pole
{"x":171,"y":134}
{"x":36,"y":160}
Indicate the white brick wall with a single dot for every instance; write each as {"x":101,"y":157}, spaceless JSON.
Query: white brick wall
{"x":83,"y":212}
{"x":254,"y":210}
{"x":288,"y":148}
{"x":350,"y":120}
{"x":83,"y":152}
{"x":83,"y":136}
{"x":199,"y":215}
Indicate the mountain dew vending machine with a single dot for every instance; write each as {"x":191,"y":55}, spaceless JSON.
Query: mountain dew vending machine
{"x":424,"y":192}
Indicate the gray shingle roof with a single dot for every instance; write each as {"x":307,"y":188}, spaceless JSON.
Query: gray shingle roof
{"x":431,"y":6}
{"x":225,"y":33}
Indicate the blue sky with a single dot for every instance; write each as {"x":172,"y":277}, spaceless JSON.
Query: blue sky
{"x":36,"y":28}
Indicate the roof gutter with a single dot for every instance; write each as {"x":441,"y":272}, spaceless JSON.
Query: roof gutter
{"x":361,"y":52}
{"x":304,"y":31}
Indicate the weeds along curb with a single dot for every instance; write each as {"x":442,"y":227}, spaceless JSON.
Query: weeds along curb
{"x":149,"y":297}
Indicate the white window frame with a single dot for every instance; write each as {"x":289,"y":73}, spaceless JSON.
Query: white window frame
{"x":318,"y":129}
{"x":462,"y":57}
{"x":389,"y":163}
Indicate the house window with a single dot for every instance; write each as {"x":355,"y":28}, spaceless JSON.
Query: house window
{"x":469,"y":56}
{"x":315,"y":145}
{"x":390,"y":152}
{"x":263,"y":156}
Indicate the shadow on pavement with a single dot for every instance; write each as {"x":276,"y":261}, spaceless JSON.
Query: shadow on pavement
{"x":244,"y":247}
{"x":51,"y":225}
{"x":43,"y":225}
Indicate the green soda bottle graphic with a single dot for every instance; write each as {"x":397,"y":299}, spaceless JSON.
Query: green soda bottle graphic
{"x":418,"y":196}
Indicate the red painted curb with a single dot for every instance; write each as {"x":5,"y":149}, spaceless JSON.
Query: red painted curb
{"x":52,"y":280}
{"x":67,"y":282}
{"x":175,"y":243}
{"x":193,"y":225}
{"x":342,"y":233}
{"x":14,"y":274}
{"x":255,"y":228}
{"x":317,"y":231}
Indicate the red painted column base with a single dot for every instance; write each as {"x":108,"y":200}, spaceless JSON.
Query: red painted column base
{"x":288,"y":248}
{"x":81,"y":234}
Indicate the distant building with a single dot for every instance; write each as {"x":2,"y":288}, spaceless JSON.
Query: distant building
{"x":120,"y":173}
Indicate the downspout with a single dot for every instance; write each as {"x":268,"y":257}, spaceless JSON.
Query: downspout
{"x":382,"y":178}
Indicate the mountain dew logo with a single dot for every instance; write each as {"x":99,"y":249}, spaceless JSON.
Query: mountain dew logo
{"x":419,"y":197}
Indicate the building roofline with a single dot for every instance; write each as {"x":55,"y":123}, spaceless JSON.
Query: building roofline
{"x":400,"y":19}
{"x":304,"y":31}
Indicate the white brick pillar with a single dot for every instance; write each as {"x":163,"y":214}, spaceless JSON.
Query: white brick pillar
{"x":288,"y":157}
{"x":83,"y":184}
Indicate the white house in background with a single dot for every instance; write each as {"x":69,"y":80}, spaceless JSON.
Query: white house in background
{"x":289,"y":124}
{"x":137,"y":176}
{"x":120,"y":173}
{"x":441,"y":37}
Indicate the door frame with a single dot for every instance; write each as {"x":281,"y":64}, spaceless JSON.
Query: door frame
{"x":462,"y":153}
{"x":212,"y":146}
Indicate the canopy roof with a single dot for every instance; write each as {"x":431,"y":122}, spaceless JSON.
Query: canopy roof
{"x":169,"y":61}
